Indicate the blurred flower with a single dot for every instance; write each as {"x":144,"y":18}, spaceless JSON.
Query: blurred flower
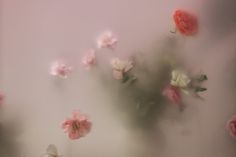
{"x":2,"y":97}
{"x":179,"y":79}
{"x":173,"y":94}
{"x":51,"y":151}
{"x":89,"y":59}
{"x":120,"y":68}
{"x":107,"y":40}
{"x":77,"y":126}
{"x":60,"y":68}
{"x":185,"y":22}
{"x":231,"y":127}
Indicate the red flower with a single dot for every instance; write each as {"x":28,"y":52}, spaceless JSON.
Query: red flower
{"x":173,"y":94}
{"x":186,"y":23}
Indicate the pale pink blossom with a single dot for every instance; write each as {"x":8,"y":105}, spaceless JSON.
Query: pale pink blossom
{"x":172,"y":93}
{"x":120,"y":67}
{"x":231,"y":127}
{"x":77,"y":126}
{"x":89,"y":59}
{"x":107,"y":40}
{"x":60,"y":68}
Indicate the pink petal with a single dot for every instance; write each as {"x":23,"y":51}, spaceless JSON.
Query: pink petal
{"x":173,"y":94}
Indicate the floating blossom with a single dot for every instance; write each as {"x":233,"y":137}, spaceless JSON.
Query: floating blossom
{"x":77,"y":126}
{"x":107,"y":40}
{"x":180,"y":82}
{"x":89,"y":59}
{"x":179,"y":79}
{"x":60,"y":68}
{"x":120,"y":68}
{"x":231,"y":127}
{"x":186,"y":23}
{"x":52,"y":151}
{"x":172,"y":93}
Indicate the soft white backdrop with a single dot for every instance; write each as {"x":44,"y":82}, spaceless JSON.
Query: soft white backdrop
{"x":35,"y":32}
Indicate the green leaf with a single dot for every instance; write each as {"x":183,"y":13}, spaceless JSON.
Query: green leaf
{"x":202,"y":78}
{"x":200,"y":89}
{"x":125,"y":78}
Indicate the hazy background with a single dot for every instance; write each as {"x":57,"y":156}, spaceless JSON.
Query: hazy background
{"x":33,"y":33}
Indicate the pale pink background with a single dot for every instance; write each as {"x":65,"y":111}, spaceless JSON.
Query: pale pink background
{"x":35,"y":32}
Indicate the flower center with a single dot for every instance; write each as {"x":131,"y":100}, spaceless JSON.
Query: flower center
{"x":75,"y":126}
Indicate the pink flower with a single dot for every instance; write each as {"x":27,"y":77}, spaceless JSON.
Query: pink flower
{"x":60,"y":68}
{"x":77,"y":126}
{"x":107,"y":40}
{"x":120,"y":67}
{"x":173,"y":94}
{"x":231,"y":127}
{"x":89,"y":59}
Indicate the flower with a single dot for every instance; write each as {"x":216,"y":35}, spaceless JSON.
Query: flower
{"x":179,"y":79}
{"x":173,"y":94}
{"x":77,"y":126}
{"x":52,"y":151}
{"x":186,"y":23}
{"x":2,"y":97}
{"x":119,"y":68}
{"x":231,"y":127}
{"x":60,"y":68}
{"x":89,"y":59}
{"x":107,"y":40}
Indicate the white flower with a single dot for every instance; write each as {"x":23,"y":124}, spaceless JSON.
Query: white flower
{"x":179,"y":79}
{"x":51,"y":151}
{"x":107,"y":40}
{"x":120,"y":67}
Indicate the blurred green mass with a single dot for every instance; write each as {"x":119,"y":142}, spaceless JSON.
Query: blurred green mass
{"x":142,"y":99}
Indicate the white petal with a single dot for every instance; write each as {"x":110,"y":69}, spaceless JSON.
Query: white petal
{"x":52,"y":150}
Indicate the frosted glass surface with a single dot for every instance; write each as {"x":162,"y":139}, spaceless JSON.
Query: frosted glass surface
{"x":33,"y":33}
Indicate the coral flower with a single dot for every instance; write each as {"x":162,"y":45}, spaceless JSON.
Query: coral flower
{"x":89,"y":59}
{"x":231,"y":127}
{"x":60,"y":68}
{"x":173,"y":94}
{"x":186,"y":23}
{"x":120,"y":67}
{"x":107,"y":40}
{"x":77,"y":126}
